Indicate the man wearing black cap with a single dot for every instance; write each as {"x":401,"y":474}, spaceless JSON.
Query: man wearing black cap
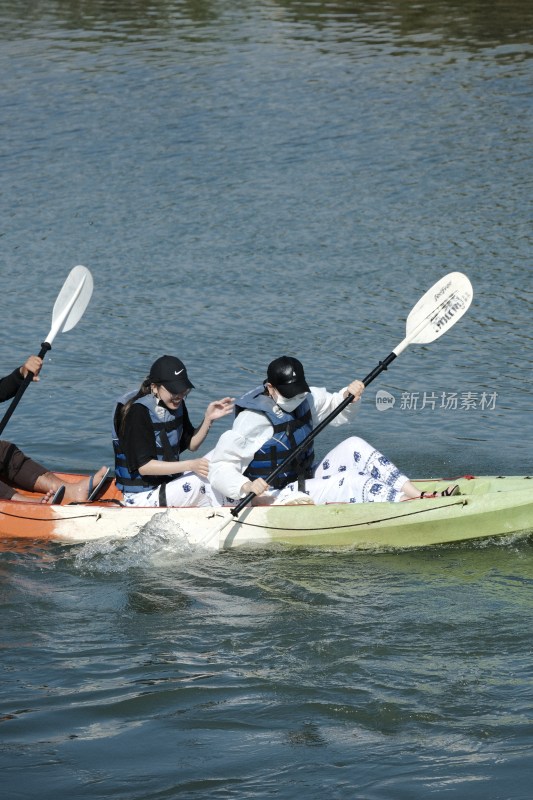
{"x":273,"y":420}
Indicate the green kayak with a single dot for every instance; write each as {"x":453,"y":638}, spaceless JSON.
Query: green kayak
{"x":486,"y":507}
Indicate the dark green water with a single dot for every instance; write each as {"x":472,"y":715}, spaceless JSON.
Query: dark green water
{"x":245,"y":179}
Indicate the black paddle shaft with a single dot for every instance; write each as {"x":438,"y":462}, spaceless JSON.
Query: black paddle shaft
{"x":45,"y":347}
{"x":320,"y":427}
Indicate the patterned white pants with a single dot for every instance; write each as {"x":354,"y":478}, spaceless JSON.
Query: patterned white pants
{"x":185,"y":490}
{"x":353,"y":472}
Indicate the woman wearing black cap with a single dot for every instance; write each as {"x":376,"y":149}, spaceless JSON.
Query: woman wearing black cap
{"x":274,"y":419}
{"x":151,"y":429}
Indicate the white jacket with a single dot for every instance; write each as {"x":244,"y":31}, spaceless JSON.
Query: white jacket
{"x":251,"y":429}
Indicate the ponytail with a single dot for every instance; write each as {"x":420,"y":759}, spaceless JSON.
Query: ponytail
{"x":144,"y":389}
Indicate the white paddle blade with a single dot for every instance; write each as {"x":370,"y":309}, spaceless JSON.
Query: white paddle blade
{"x":71,"y":302}
{"x":439,"y":309}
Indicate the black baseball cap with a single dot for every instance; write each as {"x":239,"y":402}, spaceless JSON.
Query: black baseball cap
{"x":286,"y":374}
{"x":171,"y":373}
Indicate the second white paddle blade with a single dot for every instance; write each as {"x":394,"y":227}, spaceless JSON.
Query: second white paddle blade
{"x":440,"y":308}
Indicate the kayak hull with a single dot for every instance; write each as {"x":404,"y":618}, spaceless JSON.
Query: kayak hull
{"x":487,"y":507}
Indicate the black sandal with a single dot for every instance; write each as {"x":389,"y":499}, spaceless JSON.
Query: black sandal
{"x":450,"y":491}
{"x":58,"y":496}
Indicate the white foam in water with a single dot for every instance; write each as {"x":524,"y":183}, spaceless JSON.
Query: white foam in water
{"x":157,"y":541}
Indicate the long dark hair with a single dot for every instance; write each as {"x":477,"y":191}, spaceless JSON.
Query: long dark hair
{"x":144,"y":389}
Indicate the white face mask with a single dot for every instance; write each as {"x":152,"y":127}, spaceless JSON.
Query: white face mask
{"x":289,"y":404}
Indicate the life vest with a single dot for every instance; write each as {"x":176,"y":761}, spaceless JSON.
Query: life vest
{"x":290,"y":429}
{"x":167,"y":426}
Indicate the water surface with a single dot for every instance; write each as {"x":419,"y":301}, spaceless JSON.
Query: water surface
{"x":244,"y":180}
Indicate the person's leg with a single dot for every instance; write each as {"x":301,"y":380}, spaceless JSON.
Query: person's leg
{"x":353,"y":472}
{"x":147,"y":499}
{"x":191,"y":490}
{"x":350,"y":487}
{"x":381,"y":479}
{"x":355,"y":454}
{"x":27,"y":474}
{"x":76,"y":491}
{"x":409,"y":491}
{"x":19,"y":469}
{"x":6,"y":492}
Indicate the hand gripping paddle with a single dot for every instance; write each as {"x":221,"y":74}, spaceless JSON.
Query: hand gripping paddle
{"x":68,"y":309}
